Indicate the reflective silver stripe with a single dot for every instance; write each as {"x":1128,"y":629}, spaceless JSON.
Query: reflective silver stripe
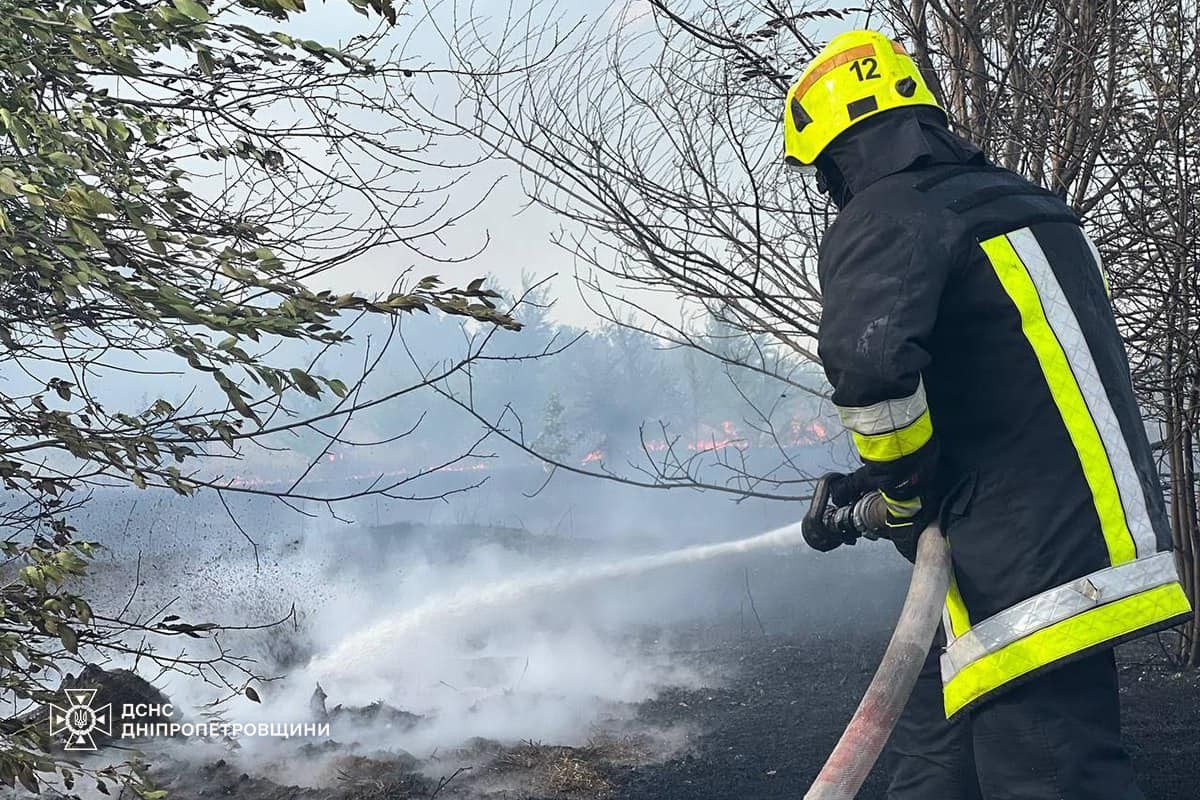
{"x":902,"y":508}
{"x":1056,"y":605}
{"x":1099,"y":261}
{"x":1066,"y":327}
{"x":947,"y":626}
{"x":885,"y":416}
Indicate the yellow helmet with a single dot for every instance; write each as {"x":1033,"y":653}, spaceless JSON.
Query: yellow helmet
{"x":857,"y":75}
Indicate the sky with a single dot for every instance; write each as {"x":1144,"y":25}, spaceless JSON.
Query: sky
{"x":520,"y":234}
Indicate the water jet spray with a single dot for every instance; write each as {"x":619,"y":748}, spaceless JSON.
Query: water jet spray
{"x":865,"y":735}
{"x":369,"y":642}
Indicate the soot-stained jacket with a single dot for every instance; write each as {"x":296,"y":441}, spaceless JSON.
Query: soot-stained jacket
{"x":968,"y":335}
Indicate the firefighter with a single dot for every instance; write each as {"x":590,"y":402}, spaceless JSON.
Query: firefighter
{"x":975,"y":362}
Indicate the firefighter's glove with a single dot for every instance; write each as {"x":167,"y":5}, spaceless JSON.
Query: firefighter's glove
{"x":906,"y":519}
{"x":846,"y":490}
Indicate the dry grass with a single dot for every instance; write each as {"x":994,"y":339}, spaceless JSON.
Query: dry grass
{"x":620,"y":750}
{"x":363,"y":778}
{"x":569,"y":775}
{"x":574,"y":773}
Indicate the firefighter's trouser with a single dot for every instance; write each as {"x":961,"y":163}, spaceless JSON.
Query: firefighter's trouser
{"x":1057,"y":737}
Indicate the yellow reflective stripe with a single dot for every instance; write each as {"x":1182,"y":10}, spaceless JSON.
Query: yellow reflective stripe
{"x":956,"y":609}
{"x":1064,"y":389}
{"x":1048,"y":645}
{"x":1052,"y":606}
{"x":895,"y":444}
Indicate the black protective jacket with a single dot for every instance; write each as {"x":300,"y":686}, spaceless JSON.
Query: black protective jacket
{"x":969,"y":338}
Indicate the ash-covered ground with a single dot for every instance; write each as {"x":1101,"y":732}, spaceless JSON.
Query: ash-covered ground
{"x":719,"y":679}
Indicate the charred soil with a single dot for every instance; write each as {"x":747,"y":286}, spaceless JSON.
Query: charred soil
{"x":767,"y":732}
{"x":763,"y":733}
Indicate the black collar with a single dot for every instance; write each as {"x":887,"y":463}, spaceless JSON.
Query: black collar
{"x":885,"y":144}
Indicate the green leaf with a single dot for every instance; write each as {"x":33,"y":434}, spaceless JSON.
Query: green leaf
{"x":305,"y":382}
{"x":207,"y":65}
{"x":82,"y":22}
{"x":27,"y":778}
{"x":81,"y":52}
{"x":87,"y":236}
{"x":193,"y":9}
{"x":65,"y":160}
{"x":226,"y":434}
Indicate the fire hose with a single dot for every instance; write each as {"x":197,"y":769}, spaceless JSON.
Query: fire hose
{"x":865,"y":736}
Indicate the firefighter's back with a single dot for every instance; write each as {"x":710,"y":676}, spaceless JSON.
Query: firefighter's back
{"x":1030,"y":392}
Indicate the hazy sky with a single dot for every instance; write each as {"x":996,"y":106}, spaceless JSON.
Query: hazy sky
{"x":520,"y":235}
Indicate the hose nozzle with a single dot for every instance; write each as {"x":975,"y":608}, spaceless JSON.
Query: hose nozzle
{"x":864,"y":518}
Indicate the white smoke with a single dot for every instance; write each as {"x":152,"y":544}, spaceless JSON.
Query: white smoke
{"x":479,"y":639}
{"x":464,"y":632}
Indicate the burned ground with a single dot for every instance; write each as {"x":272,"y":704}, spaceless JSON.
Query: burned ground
{"x":777,"y":648}
{"x":762,"y":734}
{"x":766,"y":734}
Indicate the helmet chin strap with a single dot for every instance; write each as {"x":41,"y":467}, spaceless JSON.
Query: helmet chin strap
{"x":822,"y":183}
